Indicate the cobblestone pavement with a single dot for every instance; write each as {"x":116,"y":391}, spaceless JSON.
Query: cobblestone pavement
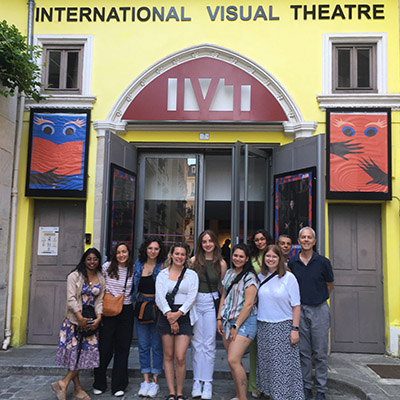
{"x":38,"y":388}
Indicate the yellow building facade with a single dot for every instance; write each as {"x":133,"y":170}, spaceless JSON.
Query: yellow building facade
{"x":221,"y":115}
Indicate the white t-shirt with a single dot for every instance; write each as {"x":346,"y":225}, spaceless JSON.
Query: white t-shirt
{"x":277,"y":297}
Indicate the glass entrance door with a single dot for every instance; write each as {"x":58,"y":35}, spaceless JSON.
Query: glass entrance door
{"x":168,"y":199}
{"x":251,"y":192}
{"x":180,"y":195}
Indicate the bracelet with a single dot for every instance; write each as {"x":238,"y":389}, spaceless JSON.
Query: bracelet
{"x":219,"y":319}
{"x":295,"y":328}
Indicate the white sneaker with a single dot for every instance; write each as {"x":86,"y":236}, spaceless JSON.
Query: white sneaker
{"x":153,"y":390}
{"x":207,"y":391}
{"x":120,"y":393}
{"x":97,"y":391}
{"x":196,"y":390}
{"x":144,"y":388}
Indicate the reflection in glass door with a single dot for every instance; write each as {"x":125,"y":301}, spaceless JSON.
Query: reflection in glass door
{"x":169,"y":197}
{"x":250,"y":192}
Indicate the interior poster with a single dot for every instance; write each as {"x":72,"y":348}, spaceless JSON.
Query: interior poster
{"x":359,"y":154}
{"x":57,"y":157}
{"x":294,"y":203}
{"x":122,"y":207}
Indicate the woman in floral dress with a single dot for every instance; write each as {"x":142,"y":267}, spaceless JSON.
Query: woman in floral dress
{"x":77,"y":350}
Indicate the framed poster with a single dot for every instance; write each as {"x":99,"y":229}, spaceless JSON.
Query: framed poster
{"x":294,"y":194}
{"x":122,"y":207}
{"x":57,"y":153}
{"x":359,"y":154}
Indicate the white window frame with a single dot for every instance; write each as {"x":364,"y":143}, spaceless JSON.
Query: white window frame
{"x":379,"y":39}
{"x":73,"y":40}
{"x":65,"y":100}
{"x":380,"y":98}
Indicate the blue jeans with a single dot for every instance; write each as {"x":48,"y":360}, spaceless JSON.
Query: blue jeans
{"x":247,"y":329}
{"x":150,"y":348}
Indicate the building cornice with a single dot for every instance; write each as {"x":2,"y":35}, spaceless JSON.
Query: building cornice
{"x":62,"y":101}
{"x":358,"y":100}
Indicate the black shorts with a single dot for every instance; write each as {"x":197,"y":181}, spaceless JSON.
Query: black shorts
{"x":164,"y":328}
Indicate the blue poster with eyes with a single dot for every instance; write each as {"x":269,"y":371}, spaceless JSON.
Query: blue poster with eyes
{"x":58,"y":151}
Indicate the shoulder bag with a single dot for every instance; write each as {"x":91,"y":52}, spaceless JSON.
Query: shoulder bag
{"x":171,"y":296}
{"x":216,"y":301}
{"x":267,"y":279}
{"x":112,"y":306}
{"x":235,"y":281}
{"x":145,"y":311}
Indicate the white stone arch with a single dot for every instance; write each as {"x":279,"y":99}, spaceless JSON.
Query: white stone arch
{"x":295,"y":127}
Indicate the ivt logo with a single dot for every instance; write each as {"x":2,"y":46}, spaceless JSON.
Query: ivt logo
{"x":207,"y":94}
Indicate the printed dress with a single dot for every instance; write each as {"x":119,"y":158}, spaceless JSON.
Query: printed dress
{"x":69,"y":341}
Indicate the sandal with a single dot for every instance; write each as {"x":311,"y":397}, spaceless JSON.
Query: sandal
{"x":61,"y":394}
{"x":170,"y":397}
{"x":82,"y":396}
{"x":181,"y":397}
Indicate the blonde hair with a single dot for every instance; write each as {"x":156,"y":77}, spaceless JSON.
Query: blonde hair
{"x":187,"y":264}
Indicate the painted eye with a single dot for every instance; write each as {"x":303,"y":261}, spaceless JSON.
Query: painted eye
{"x":69,"y":130}
{"x":348,"y":131}
{"x":371,"y":131}
{"x":48,"y":129}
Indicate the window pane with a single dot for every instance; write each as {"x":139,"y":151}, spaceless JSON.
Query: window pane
{"x":54,"y":69}
{"x":343,"y":68}
{"x":169,"y":199}
{"x":363,"y":68}
{"x":72,"y":69}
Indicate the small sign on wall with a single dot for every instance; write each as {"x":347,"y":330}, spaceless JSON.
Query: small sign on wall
{"x":48,"y":241}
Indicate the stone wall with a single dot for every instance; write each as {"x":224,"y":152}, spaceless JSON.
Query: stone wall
{"x":7,"y":136}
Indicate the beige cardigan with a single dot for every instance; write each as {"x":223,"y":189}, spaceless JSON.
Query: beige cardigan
{"x":75,"y":283}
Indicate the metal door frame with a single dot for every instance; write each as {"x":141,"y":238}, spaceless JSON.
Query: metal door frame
{"x":236,"y":181}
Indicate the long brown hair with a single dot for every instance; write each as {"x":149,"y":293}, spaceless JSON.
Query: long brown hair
{"x":199,"y":264}
{"x":112,"y":270}
{"x":282,"y":268}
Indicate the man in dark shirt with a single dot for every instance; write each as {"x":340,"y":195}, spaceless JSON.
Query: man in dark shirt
{"x":285,"y":246}
{"x":315,"y":276}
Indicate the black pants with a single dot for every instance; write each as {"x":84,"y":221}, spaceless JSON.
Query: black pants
{"x":115,"y":340}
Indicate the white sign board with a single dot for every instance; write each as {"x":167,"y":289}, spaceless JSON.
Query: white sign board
{"x":48,"y":241}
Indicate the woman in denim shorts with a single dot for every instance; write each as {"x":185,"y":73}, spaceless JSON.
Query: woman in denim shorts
{"x":237,"y":316}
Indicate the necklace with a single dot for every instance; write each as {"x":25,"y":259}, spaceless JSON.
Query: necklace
{"x":147,"y":270}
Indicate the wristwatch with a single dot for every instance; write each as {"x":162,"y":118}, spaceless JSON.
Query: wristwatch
{"x":295,"y":328}
{"x":234,"y":326}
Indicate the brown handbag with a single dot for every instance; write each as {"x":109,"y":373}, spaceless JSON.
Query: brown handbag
{"x":112,"y":306}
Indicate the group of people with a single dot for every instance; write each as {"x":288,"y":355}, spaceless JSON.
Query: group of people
{"x":262,"y":294}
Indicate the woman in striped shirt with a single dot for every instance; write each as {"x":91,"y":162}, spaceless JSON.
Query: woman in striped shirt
{"x":237,"y":316}
{"x":116,"y":332}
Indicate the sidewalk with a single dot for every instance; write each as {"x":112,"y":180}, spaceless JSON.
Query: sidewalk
{"x":349,"y":374}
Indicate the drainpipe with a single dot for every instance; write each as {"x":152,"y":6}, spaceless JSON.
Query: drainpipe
{"x":14,"y":191}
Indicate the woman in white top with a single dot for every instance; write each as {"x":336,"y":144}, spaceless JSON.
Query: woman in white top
{"x":278,"y":318}
{"x":116,"y":332}
{"x":176,"y":317}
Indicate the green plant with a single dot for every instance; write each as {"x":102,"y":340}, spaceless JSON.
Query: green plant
{"x":17,"y":70}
